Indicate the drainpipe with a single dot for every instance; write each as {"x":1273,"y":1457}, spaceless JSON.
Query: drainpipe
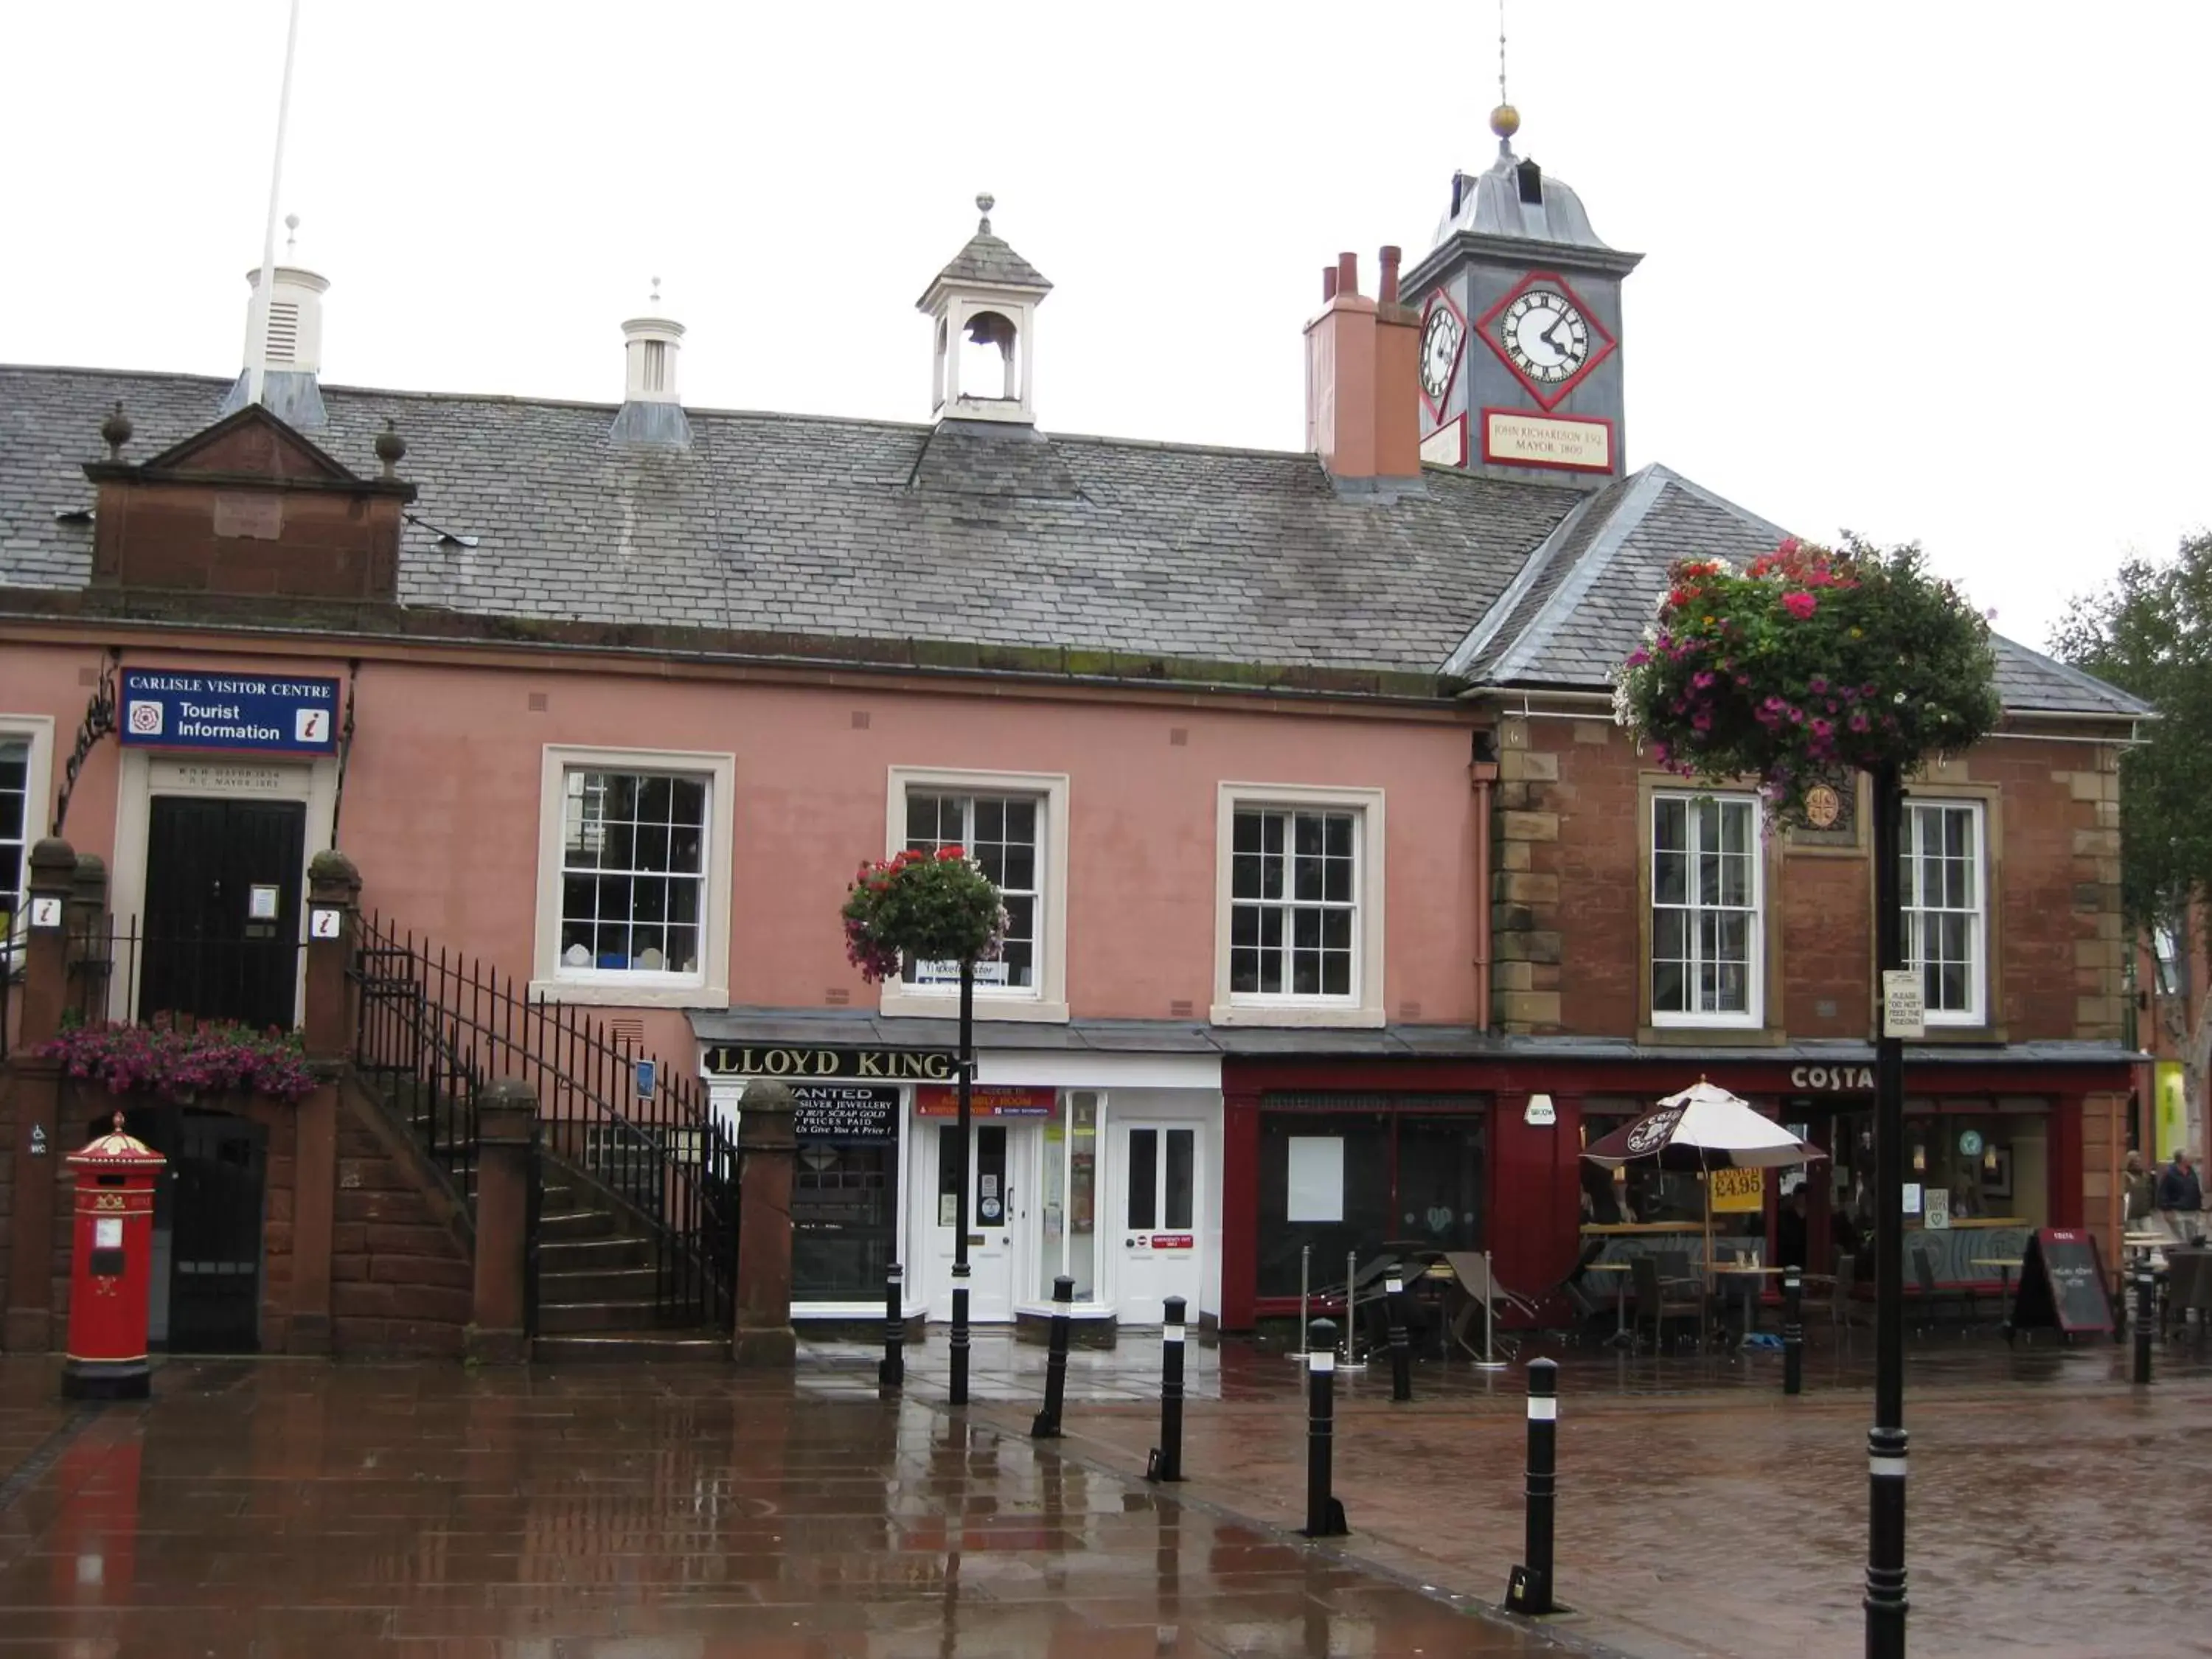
{"x":1482,"y":774}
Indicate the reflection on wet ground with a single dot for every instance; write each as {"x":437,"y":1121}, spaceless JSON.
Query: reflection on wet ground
{"x":281,"y":1508}
{"x":288,"y":1508}
{"x":2053,"y":1506}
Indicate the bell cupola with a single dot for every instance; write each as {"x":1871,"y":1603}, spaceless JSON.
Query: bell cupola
{"x":983,"y":309}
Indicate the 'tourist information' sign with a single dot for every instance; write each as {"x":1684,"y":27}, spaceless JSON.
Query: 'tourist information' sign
{"x":165,"y":709}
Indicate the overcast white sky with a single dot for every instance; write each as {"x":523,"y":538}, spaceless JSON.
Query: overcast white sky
{"x":1930,"y":269}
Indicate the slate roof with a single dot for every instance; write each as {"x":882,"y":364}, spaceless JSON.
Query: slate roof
{"x":1582,"y":601}
{"x":988,"y":261}
{"x":976,"y":533}
{"x":972,"y":533}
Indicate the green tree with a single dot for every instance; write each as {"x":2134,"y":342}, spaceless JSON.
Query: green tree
{"x":2150,"y":632}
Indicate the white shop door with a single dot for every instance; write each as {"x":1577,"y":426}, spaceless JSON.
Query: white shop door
{"x":1163,"y":1226}
{"x":992,"y":1211}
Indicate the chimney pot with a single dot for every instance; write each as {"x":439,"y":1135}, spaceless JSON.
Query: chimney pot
{"x":1390,"y":256}
{"x":1347,"y":273}
{"x":1327,"y":284}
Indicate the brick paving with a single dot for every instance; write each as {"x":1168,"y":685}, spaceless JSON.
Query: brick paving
{"x":287,"y":1509}
{"x":283,"y":1508}
{"x":2056,"y":1511}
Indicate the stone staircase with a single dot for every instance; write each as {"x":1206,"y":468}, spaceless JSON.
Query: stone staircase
{"x":595,"y":1283}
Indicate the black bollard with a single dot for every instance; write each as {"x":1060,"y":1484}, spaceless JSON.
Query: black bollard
{"x":1402,"y":1352}
{"x":2146,"y":1315}
{"x":1324,"y":1513}
{"x":1529,"y":1589}
{"x":1793,"y":1330}
{"x":1046,"y":1424}
{"x":1166,"y":1462}
{"x":891,"y":1373}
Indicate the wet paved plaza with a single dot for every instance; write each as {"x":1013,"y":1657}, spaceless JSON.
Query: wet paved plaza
{"x":295,"y":1508}
{"x":281,"y":1508}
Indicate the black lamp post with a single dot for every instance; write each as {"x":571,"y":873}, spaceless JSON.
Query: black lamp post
{"x":1885,"y":1599}
{"x":966,"y":1163}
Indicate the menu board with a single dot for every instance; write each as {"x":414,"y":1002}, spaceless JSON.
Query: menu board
{"x":2062,"y":1283}
{"x":844,"y":1113}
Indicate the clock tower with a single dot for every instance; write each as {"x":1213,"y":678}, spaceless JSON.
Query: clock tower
{"x":1520,"y":309}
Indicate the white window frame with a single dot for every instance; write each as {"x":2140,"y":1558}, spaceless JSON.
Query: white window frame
{"x":38,"y":729}
{"x":628,"y":988}
{"x":1978,"y":965}
{"x":1364,"y":1006}
{"x":1046,"y":1000}
{"x":1753,"y":1015}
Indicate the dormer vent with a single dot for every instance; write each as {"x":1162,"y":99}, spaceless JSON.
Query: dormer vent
{"x":652,"y":411}
{"x":288,"y":343}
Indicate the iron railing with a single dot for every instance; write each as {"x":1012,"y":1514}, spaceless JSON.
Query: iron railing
{"x":435,"y":1027}
{"x":135,"y":973}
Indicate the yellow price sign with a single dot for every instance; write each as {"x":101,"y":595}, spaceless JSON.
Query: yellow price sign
{"x":1738,"y":1190}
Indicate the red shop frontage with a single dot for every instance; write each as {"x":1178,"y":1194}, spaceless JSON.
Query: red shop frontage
{"x":1357,"y":1155}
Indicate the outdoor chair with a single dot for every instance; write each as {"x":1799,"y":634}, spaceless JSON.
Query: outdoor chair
{"x":1652,"y":1306}
{"x":1923,"y":1274}
{"x":1584,"y":1309}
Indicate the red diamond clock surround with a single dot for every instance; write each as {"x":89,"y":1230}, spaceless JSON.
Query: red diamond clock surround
{"x":1547,"y":335}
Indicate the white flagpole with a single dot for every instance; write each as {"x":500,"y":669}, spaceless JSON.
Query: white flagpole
{"x":257,"y":363}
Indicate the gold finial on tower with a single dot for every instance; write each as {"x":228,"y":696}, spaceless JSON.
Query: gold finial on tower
{"x":1505,"y":120}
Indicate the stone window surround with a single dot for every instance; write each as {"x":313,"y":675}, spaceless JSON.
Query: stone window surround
{"x":1364,"y":1006}
{"x":1765,"y":1028}
{"x":709,"y":987}
{"x":1754,"y":1014}
{"x":1046,"y":1001}
{"x":1984,"y":1026}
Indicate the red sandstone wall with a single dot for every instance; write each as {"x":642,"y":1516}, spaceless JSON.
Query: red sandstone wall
{"x":1568,"y":903}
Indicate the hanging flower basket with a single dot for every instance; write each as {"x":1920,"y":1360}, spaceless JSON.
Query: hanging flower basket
{"x":184,"y":1064}
{"x":921,"y":906}
{"x":1813,"y":663}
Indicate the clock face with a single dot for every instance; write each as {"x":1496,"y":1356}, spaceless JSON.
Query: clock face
{"x":1545,"y":335}
{"x":1440,"y":342}
{"x":1550,"y":340}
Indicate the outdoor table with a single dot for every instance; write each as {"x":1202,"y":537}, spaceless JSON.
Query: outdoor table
{"x":1746,"y":1270}
{"x":1620,"y":1335}
{"x":2004,"y":1264}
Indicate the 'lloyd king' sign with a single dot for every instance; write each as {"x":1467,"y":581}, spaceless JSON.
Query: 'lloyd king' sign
{"x":869,"y":1065}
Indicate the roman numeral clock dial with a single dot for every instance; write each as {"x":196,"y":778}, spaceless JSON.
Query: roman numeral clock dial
{"x":1544,"y":335}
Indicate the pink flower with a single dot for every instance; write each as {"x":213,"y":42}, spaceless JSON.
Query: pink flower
{"x":1819,"y":684}
{"x":1858,"y":720}
{"x":1799,"y":605}
{"x":1659,"y":753}
{"x":1821,"y":728}
{"x":1702,"y":678}
{"x":1798,"y":717}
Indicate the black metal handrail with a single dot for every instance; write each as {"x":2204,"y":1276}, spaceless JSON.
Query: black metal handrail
{"x":436,"y":1026}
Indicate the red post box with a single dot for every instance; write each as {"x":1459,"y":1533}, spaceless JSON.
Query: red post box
{"x":111,"y":1268}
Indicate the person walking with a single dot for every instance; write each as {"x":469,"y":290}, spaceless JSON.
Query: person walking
{"x":2181,"y":1196}
{"x":2142,"y":1190}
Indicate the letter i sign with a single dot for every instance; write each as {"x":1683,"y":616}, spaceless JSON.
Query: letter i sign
{"x":311,"y":725}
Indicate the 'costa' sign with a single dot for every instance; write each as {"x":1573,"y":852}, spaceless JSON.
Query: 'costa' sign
{"x":1833,"y":1077}
{"x":860,"y":1065}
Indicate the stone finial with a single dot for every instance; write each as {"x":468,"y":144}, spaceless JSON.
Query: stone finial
{"x":390,"y":448}
{"x":116,"y":430}
{"x":984,"y":204}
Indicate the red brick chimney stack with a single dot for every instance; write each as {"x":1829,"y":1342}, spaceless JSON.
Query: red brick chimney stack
{"x":1361,"y":358}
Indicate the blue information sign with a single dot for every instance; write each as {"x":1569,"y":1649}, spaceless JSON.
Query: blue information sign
{"x":169,"y":709}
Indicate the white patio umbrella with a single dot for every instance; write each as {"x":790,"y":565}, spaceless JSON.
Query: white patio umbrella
{"x":1703,"y":1128}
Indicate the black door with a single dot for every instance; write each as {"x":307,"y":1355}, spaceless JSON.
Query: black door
{"x":222,"y":929}
{"x":215,"y":1278}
